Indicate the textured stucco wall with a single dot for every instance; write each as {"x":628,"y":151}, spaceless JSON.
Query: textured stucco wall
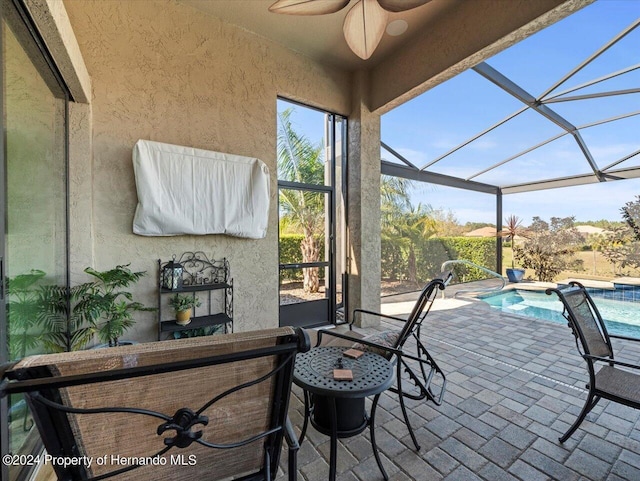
{"x":165,"y":72}
{"x":364,"y":202}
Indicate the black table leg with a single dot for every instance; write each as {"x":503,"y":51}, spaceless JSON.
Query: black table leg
{"x":307,"y":414}
{"x":334,"y":439}
{"x":373,"y":436}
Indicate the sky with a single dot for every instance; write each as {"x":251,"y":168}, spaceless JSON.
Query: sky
{"x":442,"y":118}
{"x":432,"y":124}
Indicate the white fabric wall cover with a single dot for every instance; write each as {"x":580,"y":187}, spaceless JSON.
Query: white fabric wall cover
{"x":182,"y":190}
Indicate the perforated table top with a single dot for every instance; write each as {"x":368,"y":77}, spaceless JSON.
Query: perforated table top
{"x":372,"y":373}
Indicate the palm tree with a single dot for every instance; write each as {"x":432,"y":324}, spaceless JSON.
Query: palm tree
{"x":512,"y":228}
{"x":403,"y":223}
{"x":300,"y":161}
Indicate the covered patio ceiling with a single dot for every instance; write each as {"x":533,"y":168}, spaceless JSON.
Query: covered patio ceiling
{"x":575,"y":126}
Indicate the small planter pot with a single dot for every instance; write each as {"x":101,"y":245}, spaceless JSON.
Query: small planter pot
{"x":515,"y":275}
{"x":183,"y":317}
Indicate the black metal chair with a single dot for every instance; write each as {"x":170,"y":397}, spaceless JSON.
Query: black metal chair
{"x":411,"y":358}
{"x":207,"y":408}
{"x":594,"y":345}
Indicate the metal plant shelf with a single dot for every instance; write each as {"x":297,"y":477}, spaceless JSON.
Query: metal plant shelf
{"x":197,"y":322}
{"x":198,"y":288}
{"x":198,"y":274}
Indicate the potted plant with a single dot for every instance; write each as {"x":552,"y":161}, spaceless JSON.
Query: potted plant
{"x":512,"y":228}
{"x":183,"y":304}
{"x":69,"y":316}
{"x":111,"y":304}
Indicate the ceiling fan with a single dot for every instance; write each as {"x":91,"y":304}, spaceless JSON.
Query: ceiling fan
{"x":364,"y":24}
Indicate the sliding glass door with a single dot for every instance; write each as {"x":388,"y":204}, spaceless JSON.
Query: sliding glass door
{"x":33,"y":243}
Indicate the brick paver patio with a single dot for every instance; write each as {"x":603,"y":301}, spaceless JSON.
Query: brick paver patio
{"x":515,"y":384}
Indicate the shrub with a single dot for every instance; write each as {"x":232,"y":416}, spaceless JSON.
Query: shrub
{"x":290,"y":254}
{"x":550,"y":247}
{"x":432,"y":252}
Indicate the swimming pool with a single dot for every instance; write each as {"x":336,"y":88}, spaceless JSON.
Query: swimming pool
{"x":622,"y":318}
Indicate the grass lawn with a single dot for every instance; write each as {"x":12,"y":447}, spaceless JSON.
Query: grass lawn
{"x":598,"y":268}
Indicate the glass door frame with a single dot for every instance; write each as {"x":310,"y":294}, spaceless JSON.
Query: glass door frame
{"x":309,"y":311}
{"x":47,"y":62}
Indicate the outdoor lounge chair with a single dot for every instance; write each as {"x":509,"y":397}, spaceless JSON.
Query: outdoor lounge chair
{"x":594,"y":345}
{"x":410,"y":358}
{"x":198,"y":409}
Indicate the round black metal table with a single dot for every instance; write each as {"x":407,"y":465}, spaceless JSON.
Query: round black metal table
{"x":337,"y":408}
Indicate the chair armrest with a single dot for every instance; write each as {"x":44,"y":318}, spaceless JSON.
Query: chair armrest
{"x":611,"y":361}
{"x":294,"y":446}
{"x":364,"y":311}
{"x":359,"y":341}
{"x":290,"y":435}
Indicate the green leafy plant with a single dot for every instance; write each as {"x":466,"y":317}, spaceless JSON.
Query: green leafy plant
{"x":199,"y":332}
{"x":182,"y":302}
{"x":68,"y":316}
{"x":109,"y":305}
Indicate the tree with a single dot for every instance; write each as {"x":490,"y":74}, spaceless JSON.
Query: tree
{"x":394,"y":200}
{"x":512,"y":228}
{"x":550,"y":247}
{"x":619,"y":248}
{"x":300,"y":161}
{"x":597,"y":242}
{"x":403,"y":224}
{"x":623,"y":243}
{"x":446,"y":223}
{"x":631,"y":215}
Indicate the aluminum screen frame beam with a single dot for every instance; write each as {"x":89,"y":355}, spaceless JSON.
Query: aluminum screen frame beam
{"x":397,"y":170}
{"x":491,"y":74}
{"x":571,"y":181}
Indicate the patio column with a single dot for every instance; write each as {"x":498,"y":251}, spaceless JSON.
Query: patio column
{"x":364,"y":201}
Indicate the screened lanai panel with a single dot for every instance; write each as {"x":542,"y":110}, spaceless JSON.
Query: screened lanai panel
{"x":539,"y":61}
{"x":512,"y":119}
{"x":504,"y":142}
{"x":420,"y":129}
{"x":576,"y":201}
{"x":596,"y":110}
{"x":560,"y":158}
{"x":614,"y":69}
{"x":409,"y":155}
{"x":429,"y":230}
{"x":606,"y":82}
{"x":600,"y":86}
{"x":614,"y":141}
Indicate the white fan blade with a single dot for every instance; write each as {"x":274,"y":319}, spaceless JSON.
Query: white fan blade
{"x":308,"y":7}
{"x":364,"y":27}
{"x":401,"y":5}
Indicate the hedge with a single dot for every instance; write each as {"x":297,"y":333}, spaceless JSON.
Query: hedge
{"x":290,"y":254}
{"x":431,"y":253}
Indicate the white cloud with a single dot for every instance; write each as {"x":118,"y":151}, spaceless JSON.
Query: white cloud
{"x":483,"y":144}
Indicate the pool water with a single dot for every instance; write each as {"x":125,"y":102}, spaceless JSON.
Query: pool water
{"x":622,"y":318}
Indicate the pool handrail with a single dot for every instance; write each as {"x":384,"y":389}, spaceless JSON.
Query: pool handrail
{"x":446,"y":264}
